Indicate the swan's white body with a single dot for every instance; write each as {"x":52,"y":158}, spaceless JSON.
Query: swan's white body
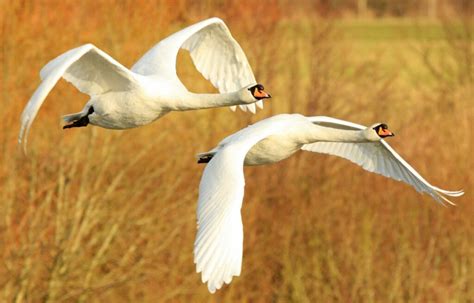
{"x":123,"y":98}
{"x":218,"y":246}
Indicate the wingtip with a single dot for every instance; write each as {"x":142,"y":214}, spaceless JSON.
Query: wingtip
{"x":211,"y":289}
{"x":213,"y":284}
{"x":24,"y":133}
{"x":456,"y":193}
{"x":23,"y":148}
{"x":451,"y":193}
{"x":23,"y":145}
{"x":445,"y":201}
{"x":22,"y":140}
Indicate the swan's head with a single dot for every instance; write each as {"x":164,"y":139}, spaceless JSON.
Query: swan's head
{"x":379,"y":131}
{"x":258,"y":92}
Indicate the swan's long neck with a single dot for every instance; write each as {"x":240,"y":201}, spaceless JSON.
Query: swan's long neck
{"x":318,"y":133}
{"x":191,"y":101}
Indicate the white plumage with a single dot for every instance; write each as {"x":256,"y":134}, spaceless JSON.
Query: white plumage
{"x":218,"y":245}
{"x":123,"y":98}
{"x":377,"y":157}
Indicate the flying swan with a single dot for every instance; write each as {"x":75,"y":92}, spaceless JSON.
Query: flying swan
{"x":219,"y":239}
{"x":121,"y":98}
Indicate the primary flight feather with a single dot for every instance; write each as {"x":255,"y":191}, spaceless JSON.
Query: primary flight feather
{"x":219,"y":241}
{"x":121,"y":98}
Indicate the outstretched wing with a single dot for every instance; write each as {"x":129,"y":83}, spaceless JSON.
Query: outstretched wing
{"x":88,"y":68}
{"x":215,"y":53}
{"x":376,"y":157}
{"x":219,"y":240}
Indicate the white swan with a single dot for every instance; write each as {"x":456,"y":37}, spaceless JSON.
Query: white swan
{"x":219,"y":239}
{"x":123,"y":98}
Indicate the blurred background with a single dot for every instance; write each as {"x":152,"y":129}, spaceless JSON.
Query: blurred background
{"x":95,"y":215}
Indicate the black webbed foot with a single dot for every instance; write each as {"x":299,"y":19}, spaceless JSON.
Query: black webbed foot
{"x":84,"y":121}
{"x":204,"y":159}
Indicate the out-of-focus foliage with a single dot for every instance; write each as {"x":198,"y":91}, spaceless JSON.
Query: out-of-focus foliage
{"x":94,"y":215}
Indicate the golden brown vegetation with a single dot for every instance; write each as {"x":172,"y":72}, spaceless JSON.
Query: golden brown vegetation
{"x":94,"y":215}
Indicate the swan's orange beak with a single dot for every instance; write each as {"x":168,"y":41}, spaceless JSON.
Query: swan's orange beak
{"x":385,"y":133}
{"x":261,"y":94}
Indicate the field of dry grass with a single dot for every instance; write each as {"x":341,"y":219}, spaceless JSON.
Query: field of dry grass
{"x":94,"y":215}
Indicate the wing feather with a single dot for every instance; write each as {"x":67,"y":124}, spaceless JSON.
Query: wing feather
{"x":377,"y":157}
{"x":219,"y":201}
{"x":214,"y":53}
{"x":219,"y":240}
{"x":88,"y":68}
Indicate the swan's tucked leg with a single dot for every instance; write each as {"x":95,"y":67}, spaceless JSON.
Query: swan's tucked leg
{"x":73,"y":117}
{"x":79,"y":121}
{"x":205,"y":157}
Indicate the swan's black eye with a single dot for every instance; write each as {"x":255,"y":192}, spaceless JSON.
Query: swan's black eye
{"x":380,"y":126}
{"x":258,"y":87}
